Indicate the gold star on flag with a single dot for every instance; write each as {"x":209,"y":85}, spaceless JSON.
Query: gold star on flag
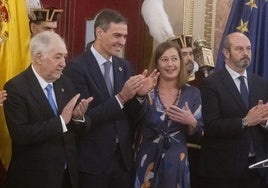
{"x":252,"y":4}
{"x":243,"y":27}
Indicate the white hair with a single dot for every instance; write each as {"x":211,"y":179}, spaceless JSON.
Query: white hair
{"x":43,"y":42}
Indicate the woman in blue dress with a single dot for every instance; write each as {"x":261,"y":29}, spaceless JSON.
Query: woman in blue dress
{"x":173,"y":112}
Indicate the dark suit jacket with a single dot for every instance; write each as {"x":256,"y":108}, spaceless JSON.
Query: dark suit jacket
{"x":96,"y":148}
{"x":226,"y":144}
{"x":40,"y":149}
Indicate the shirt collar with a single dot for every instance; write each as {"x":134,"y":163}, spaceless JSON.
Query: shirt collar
{"x":100,"y":59}
{"x":41,"y":80}
{"x":234,"y":74}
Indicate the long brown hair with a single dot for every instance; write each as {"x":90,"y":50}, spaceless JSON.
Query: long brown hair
{"x":158,"y":52}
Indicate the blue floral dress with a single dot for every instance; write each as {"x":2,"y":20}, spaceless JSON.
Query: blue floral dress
{"x":162,"y":159}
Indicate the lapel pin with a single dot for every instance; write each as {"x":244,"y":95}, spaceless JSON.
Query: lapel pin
{"x":62,"y":89}
{"x":120,"y":69}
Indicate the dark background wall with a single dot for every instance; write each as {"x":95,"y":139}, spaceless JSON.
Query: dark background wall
{"x":72,"y":26}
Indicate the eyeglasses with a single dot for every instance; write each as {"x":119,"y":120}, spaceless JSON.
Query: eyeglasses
{"x":173,"y":59}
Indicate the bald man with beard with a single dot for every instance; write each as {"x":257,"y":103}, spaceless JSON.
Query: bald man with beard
{"x":234,"y":109}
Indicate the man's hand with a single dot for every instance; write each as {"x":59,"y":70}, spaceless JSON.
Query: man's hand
{"x":80,"y":110}
{"x":130,"y":88}
{"x":3,"y":97}
{"x":67,"y":111}
{"x":149,"y":82}
{"x":257,"y":114}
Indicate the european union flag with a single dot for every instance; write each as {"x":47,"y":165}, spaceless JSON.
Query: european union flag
{"x":251,"y":18}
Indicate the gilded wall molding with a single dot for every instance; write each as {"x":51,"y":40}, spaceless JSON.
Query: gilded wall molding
{"x":209,"y":22}
{"x":195,"y":17}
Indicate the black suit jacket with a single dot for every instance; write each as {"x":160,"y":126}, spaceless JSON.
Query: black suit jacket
{"x":96,"y":148}
{"x":40,"y":149}
{"x":225,"y":146}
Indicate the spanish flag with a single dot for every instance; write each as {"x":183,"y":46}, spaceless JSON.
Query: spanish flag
{"x":14,"y":57}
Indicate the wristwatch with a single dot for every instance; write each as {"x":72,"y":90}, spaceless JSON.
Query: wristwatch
{"x":244,"y":122}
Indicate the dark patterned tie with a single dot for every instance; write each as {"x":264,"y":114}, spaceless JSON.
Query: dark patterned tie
{"x":245,"y":97}
{"x":244,"y":91}
{"x":107,"y":67}
{"x":50,"y":99}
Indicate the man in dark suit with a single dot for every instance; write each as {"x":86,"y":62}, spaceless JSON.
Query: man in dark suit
{"x":42,"y":123}
{"x":105,"y":152}
{"x":235,"y":116}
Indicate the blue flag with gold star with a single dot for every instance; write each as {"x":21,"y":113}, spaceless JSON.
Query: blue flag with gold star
{"x":251,"y":18}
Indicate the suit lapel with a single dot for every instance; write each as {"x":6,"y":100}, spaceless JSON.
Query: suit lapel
{"x":118,"y":71}
{"x":59,"y":93}
{"x":95,"y":73}
{"x":252,"y":90}
{"x":229,"y":84}
{"x":36,"y":91}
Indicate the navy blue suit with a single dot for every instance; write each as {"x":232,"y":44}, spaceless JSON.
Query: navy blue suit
{"x":97,"y":148}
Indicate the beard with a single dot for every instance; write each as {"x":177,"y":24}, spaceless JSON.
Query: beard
{"x":245,"y":62}
{"x":189,"y":66}
{"x":241,"y":63}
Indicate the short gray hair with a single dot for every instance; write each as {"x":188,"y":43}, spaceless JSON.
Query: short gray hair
{"x":42,"y":42}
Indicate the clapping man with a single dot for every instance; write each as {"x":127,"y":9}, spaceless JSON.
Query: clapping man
{"x":43,"y":117}
{"x":105,"y":155}
{"x":235,"y":113}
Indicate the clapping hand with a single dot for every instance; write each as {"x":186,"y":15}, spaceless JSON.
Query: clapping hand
{"x":80,"y":109}
{"x":184,"y":116}
{"x":149,"y":82}
{"x":130,"y":88}
{"x":76,"y":112}
{"x":258,"y":114}
{"x":3,"y":97}
{"x":140,"y":84}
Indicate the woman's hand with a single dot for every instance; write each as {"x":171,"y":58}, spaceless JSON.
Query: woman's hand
{"x":183,"y":116}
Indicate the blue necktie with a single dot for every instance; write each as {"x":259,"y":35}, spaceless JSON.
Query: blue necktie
{"x":50,"y":99}
{"x":244,"y":91}
{"x":107,"y":67}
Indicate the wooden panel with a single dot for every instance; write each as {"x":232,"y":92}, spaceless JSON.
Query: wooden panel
{"x":72,"y":25}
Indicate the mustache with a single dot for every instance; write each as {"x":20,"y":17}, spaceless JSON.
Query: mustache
{"x":189,"y":62}
{"x":246,"y":58}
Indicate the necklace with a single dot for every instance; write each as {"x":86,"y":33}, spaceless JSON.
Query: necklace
{"x":166,"y":101}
